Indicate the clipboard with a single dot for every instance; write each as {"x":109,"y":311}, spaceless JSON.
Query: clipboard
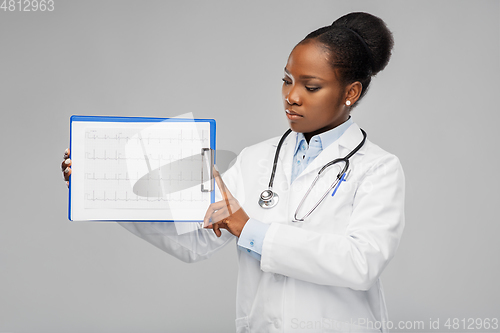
{"x":141,"y":169}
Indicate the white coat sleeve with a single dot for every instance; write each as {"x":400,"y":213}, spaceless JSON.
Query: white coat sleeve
{"x":193,"y":246}
{"x":356,"y":258}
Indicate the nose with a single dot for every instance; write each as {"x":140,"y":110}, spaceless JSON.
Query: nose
{"x":292,"y":96}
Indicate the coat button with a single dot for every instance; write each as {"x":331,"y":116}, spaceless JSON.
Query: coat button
{"x":277,"y":323}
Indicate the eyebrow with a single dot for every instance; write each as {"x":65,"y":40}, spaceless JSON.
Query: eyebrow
{"x":304,"y":77}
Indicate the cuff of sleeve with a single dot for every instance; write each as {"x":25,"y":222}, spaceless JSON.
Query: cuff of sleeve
{"x":252,"y":235}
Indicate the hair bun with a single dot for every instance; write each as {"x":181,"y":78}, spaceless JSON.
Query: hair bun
{"x":373,"y":33}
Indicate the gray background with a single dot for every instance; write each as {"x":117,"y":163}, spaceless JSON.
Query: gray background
{"x":434,"y":107}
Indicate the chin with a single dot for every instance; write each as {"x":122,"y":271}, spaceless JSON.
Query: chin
{"x":297,"y":128}
{"x":293,"y":126}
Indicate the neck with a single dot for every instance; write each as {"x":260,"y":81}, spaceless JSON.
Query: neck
{"x":309,"y":135}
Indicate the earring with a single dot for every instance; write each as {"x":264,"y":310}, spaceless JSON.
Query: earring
{"x":347,"y":103}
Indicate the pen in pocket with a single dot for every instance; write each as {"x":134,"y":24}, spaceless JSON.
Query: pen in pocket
{"x":342,"y":179}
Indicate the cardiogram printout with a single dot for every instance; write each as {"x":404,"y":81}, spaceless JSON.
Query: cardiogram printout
{"x":140,"y":169}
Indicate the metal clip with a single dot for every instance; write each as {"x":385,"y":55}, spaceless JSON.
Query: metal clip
{"x":207,"y":174}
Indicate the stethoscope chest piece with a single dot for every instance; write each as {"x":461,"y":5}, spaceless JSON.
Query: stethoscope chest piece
{"x":268,"y":199}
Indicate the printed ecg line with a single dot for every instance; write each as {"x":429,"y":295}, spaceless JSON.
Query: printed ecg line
{"x":119,"y":156}
{"x":160,"y":181}
{"x":180,"y":137}
{"x":115,"y":197}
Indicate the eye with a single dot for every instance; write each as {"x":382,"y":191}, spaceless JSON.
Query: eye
{"x":312,"y":89}
{"x":286,"y":82}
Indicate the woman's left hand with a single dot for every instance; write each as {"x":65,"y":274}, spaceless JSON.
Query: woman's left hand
{"x":226,"y":214}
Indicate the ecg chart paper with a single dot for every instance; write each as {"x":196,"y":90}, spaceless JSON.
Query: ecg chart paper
{"x":139,"y":171}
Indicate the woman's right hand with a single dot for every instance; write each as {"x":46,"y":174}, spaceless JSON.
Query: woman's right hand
{"x":66,"y":166}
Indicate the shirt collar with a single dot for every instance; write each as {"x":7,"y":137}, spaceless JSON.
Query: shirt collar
{"x":326,"y":138}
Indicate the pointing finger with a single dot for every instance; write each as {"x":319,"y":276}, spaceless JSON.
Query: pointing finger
{"x":211,"y":209}
{"x":220,"y":183}
{"x":223,"y":189}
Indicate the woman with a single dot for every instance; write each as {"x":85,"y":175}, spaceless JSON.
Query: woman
{"x":300,"y":270}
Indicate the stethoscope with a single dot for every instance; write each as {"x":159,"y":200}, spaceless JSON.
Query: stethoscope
{"x":268,"y":198}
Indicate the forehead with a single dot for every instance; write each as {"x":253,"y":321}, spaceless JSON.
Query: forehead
{"x":310,"y":59}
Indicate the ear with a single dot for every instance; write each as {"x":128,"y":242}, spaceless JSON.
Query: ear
{"x":353,"y":91}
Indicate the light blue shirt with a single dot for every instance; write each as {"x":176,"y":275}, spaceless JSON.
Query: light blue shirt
{"x":252,"y":236}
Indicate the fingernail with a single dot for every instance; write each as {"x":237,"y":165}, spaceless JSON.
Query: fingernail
{"x":216,"y":168}
{"x":67,"y":184}
{"x":66,"y":151}
{"x":66,"y":170}
{"x":68,"y":161}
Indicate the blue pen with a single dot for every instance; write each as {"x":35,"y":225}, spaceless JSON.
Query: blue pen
{"x":342,"y":179}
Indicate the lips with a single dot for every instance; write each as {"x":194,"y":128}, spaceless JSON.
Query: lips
{"x":292,"y":115}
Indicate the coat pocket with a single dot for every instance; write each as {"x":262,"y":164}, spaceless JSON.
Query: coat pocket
{"x":242,"y":325}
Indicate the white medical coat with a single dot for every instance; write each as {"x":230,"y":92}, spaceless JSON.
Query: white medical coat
{"x":321,"y":275}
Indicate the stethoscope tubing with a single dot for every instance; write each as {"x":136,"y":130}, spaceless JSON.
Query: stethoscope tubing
{"x":339,"y":176}
{"x":276,"y":155}
{"x":273,"y":197}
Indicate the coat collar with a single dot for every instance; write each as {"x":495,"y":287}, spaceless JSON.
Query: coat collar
{"x":341,"y":147}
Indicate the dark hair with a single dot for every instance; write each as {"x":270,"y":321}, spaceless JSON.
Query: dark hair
{"x":359,"y":45}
